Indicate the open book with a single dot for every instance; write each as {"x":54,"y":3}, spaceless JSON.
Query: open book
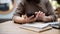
{"x":38,"y":26}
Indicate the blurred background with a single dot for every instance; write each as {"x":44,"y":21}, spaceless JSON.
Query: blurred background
{"x":8,"y":7}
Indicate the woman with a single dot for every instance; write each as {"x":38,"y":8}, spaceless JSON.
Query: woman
{"x":34,"y":10}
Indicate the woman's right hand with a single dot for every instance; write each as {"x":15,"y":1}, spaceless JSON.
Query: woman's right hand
{"x":30,"y":19}
{"x":25,"y":19}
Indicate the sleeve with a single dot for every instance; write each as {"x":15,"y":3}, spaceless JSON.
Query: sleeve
{"x":19,"y":10}
{"x":50,"y":11}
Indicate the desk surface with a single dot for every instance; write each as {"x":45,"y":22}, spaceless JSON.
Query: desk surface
{"x":11,"y":28}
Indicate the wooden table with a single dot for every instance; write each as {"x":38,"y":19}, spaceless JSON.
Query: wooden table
{"x":11,"y":28}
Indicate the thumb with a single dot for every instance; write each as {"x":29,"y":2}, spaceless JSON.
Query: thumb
{"x":31,"y":17}
{"x":25,"y":16}
{"x":36,"y":12}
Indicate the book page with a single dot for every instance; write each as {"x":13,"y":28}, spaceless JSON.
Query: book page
{"x":36,"y":25}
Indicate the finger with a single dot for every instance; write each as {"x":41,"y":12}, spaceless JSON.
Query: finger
{"x":24,"y":16}
{"x":43,"y":14}
{"x":31,"y":17}
{"x":36,"y":12}
{"x":39,"y":11}
{"x":37,"y":15}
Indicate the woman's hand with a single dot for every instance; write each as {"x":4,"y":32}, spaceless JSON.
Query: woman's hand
{"x":30,"y":19}
{"x":41,"y":15}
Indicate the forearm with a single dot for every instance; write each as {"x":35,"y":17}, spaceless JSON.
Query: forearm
{"x":18,"y":19}
{"x":48,"y":18}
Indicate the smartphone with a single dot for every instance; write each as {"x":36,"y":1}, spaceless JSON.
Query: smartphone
{"x":30,"y":14}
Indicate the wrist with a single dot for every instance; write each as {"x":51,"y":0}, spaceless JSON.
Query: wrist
{"x":47,"y":18}
{"x":44,"y":18}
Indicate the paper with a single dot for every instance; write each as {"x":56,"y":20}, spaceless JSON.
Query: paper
{"x":39,"y":24}
{"x":36,"y":25}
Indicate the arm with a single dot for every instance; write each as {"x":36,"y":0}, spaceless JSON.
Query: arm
{"x":18,"y":13}
{"x":51,"y":16}
{"x":25,"y":19}
{"x":20,"y":17}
